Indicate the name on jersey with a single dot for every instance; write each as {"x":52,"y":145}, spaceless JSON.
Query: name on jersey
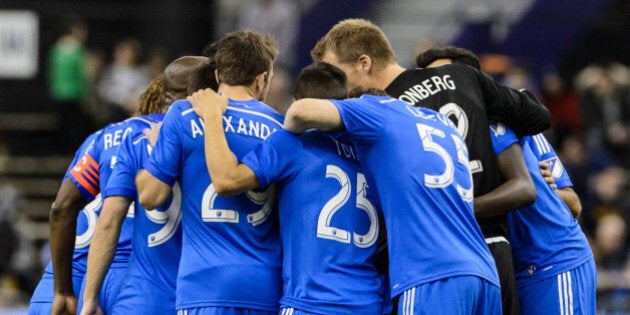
{"x":248,"y":127}
{"x":426,"y":88}
{"x":345,"y":150}
{"x":112,"y":139}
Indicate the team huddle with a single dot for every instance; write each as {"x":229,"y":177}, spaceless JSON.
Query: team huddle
{"x":381,"y":190}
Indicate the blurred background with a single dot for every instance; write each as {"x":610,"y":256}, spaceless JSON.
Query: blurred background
{"x":67,"y":68}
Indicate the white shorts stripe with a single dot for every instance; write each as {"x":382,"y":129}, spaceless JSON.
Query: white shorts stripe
{"x":565,"y":293}
{"x":570,"y":289}
{"x":409,"y":299}
{"x":560,"y":304}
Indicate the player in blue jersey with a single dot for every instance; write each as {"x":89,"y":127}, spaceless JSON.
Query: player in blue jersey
{"x":418,"y":162}
{"x":69,"y":267}
{"x":468,"y":97}
{"x":530,"y":246}
{"x":156,"y":235}
{"x":328,"y":220}
{"x":555,"y":270}
{"x":231,"y":253}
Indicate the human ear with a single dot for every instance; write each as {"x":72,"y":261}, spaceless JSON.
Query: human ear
{"x":365,"y":62}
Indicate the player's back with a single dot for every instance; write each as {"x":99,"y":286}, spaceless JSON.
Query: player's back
{"x":44,"y":294}
{"x":545,"y":237}
{"x":92,"y":175}
{"x":419,"y":164}
{"x":230,"y":245}
{"x":456,"y":91}
{"x":156,"y":239}
{"x":328,"y":222}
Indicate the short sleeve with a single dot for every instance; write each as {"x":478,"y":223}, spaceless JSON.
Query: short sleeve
{"x":274,"y":159}
{"x":164,"y":162}
{"x":128,"y":163}
{"x":545,"y":153}
{"x":365,"y":118}
{"x":502,"y":138}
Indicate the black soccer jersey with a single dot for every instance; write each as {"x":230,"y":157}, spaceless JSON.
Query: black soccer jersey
{"x":472,"y":100}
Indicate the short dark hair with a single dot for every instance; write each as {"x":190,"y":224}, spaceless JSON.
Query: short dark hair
{"x":321,"y":80}
{"x":203,"y":77}
{"x":243,"y":55}
{"x":359,"y":90}
{"x":456,"y":54}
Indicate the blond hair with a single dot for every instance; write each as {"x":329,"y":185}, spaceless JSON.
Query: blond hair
{"x":352,"y":38}
{"x":153,"y":98}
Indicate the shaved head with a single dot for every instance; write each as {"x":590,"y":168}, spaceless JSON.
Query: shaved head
{"x":177,"y":75}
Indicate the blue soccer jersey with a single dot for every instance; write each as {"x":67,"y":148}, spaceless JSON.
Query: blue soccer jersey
{"x":85,"y":229}
{"x":546,"y":239}
{"x":231,"y":254}
{"x":156,"y":235}
{"x":419,"y":164}
{"x":328,"y":223}
{"x":91,"y":175}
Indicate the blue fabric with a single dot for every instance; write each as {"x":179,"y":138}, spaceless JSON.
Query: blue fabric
{"x":231,"y":254}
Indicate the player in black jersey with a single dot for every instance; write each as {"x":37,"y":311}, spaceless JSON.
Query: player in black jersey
{"x":470,"y":98}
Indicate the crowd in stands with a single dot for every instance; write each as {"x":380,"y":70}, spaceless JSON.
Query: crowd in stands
{"x":590,"y":131}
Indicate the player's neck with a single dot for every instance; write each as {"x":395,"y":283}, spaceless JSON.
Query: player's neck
{"x":386,"y":76}
{"x":236,"y":92}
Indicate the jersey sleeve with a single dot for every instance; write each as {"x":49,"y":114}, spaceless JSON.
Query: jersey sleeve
{"x":272,"y":160}
{"x":85,"y":174}
{"x":128,"y":159}
{"x":545,"y":153}
{"x":166,"y":155}
{"x":520,"y":110}
{"x":365,"y":118}
{"x":502,"y":138}
{"x":80,"y":152}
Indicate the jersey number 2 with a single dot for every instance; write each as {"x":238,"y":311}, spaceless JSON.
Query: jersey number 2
{"x":325,"y":230}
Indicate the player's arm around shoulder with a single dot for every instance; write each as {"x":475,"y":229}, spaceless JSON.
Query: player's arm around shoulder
{"x":309,"y":113}
{"x":152,"y":192}
{"x":227,"y":175}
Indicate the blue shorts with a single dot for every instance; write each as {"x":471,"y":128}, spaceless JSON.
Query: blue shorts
{"x":571,"y":292}
{"x":455,"y":295}
{"x":110,"y":289}
{"x":42,"y":299}
{"x":142,"y":296}
{"x":222,"y":311}
{"x":293,"y":311}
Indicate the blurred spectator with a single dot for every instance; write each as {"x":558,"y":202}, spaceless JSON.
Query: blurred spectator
{"x":564,"y":105}
{"x":607,"y":194}
{"x":124,"y":80}
{"x":613,"y":263}
{"x":280,"y":18}
{"x":68,"y":82}
{"x":280,"y":94}
{"x":96,"y":63}
{"x":606,"y":110}
{"x":157,"y":60}
{"x":9,"y":283}
{"x":518,"y":77}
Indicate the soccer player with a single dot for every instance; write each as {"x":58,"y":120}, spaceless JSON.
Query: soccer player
{"x":56,"y":292}
{"x":328,"y":219}
{"x":230,"y":245}
{"x":470,"y":98}
{"x":418,"y":162}
{"x":156,"y":236}
{"x":555,"y":270}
